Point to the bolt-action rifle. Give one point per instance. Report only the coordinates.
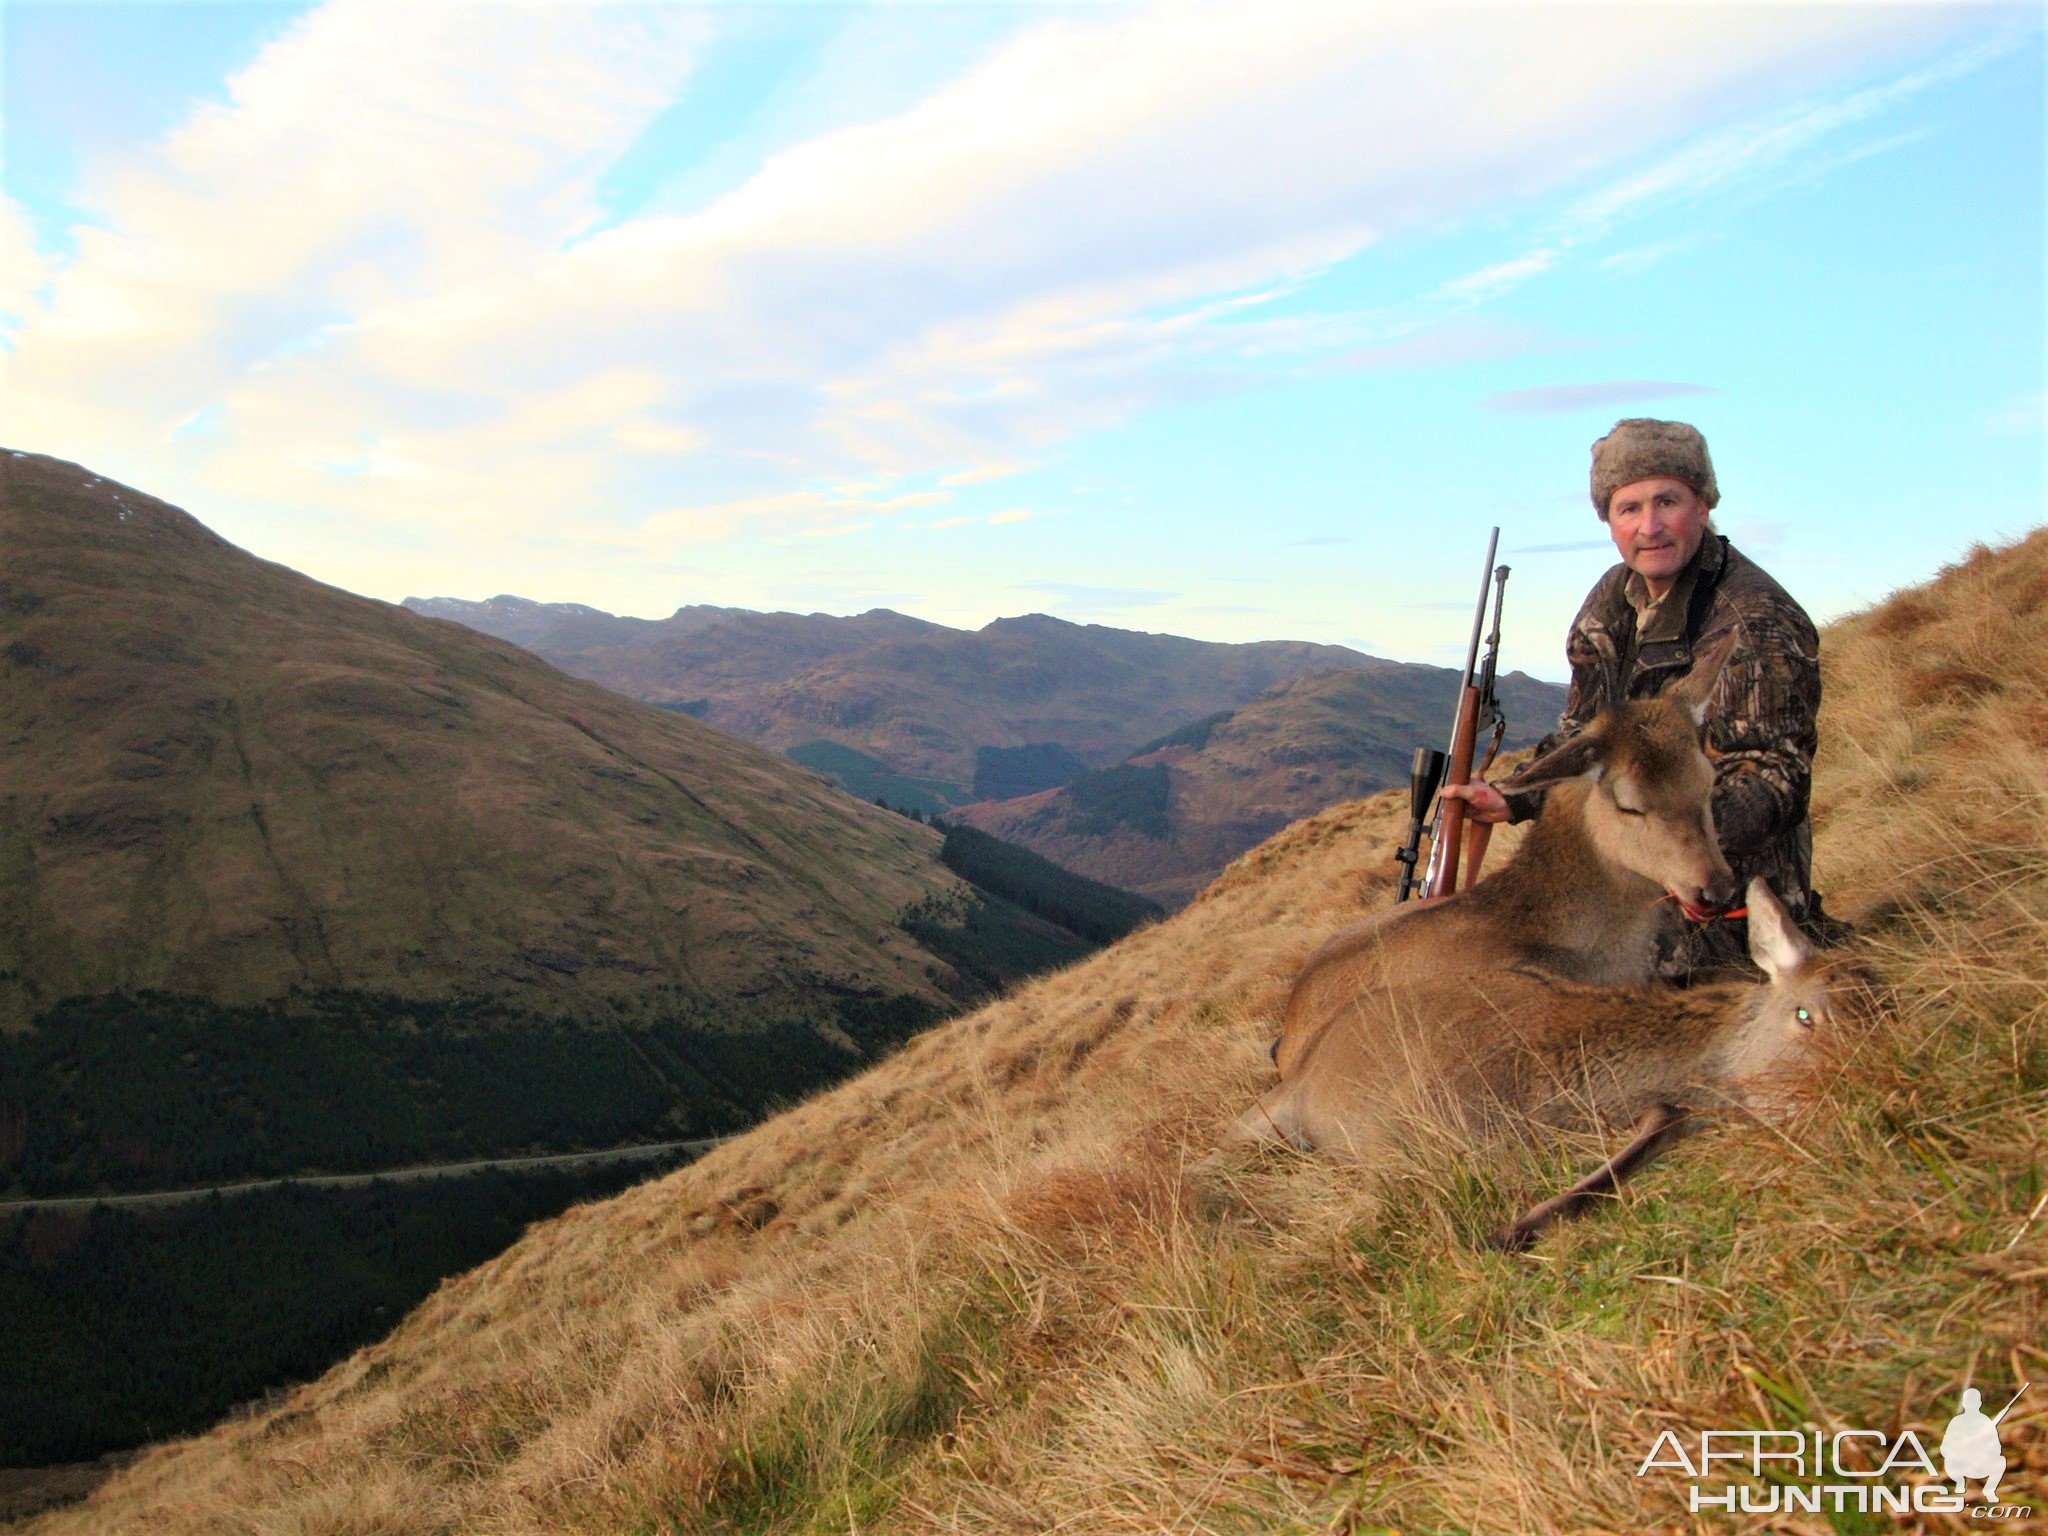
(1478, 710)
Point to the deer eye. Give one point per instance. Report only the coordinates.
(1630, 810)
(1803, 1015)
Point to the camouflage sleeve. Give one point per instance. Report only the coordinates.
(1762, 733)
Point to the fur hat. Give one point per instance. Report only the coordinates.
(1643, 448)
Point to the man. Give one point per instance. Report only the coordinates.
(1680, 587)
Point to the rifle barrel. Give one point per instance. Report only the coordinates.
(1479, 615)
(2015, 1398)
(1446, 832)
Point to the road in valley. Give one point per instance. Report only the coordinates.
(643, 1152)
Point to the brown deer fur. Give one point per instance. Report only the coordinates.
(1483, 1050)
(1626, 821)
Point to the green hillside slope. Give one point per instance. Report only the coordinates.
(293, 879)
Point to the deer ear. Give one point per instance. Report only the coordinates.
(1696, 689)
(1775, 942)
(1584, 754)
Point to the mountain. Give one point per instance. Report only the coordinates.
(433, 894)
(935, 716)
(554, 626)
(975, 1290)
(1167, 820)
(561, 629)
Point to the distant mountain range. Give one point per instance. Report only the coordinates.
(942, 716)
(290, 878)
(1165, 821)
(1044, 732)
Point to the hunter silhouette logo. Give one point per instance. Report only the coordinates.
(1970, 1448)
(1811, 1471)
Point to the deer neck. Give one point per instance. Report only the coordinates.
(1600, 917)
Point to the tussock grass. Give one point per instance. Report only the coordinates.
(977, 1290)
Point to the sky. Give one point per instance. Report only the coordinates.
(1239, 321)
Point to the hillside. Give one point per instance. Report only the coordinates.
(954, 715)
(1165, 822)
(294, 879)
(974, 1290)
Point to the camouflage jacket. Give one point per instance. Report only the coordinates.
(1761, 728)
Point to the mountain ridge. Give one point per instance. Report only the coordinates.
(924, 698)
(103, 577)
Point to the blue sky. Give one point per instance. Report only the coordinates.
(1242, 322)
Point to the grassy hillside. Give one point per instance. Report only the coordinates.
(293, 880)
(226, 779)
(975, 1290)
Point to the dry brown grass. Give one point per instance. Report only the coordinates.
(974, 1291)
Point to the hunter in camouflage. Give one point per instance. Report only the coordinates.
(1760, 731)
(1680, 588)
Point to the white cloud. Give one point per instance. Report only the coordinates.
(643, 436)
(374, 153)
(1643, 257)
(1775, 141)
(2021, 417)
(23, 268)
(911, 499)
(983, 472)
(375, 261)
(1490, 282)
(778, 512)
(1549, 398)
(1779, 146)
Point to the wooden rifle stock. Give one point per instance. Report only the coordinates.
(1477, 834)
(1451, 828)
(1456, 840)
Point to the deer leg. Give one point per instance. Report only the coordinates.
(1271, 1118)
(1654, 1130)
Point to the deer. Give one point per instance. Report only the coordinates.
(1667, 1058)
(1626, 822)
(1523, 1046)
(1528, 995)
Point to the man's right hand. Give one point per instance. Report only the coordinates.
(1482, 801)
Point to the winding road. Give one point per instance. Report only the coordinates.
(642, 1152)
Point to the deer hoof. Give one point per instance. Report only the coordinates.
(1511, 1239)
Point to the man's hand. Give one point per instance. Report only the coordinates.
(1482, 801)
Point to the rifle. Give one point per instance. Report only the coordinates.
(2008, 1407)
(1478, 710)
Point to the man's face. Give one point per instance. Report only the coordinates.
(1657, 526)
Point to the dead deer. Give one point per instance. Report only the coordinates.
(1518, 1045)
(1625, 822)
